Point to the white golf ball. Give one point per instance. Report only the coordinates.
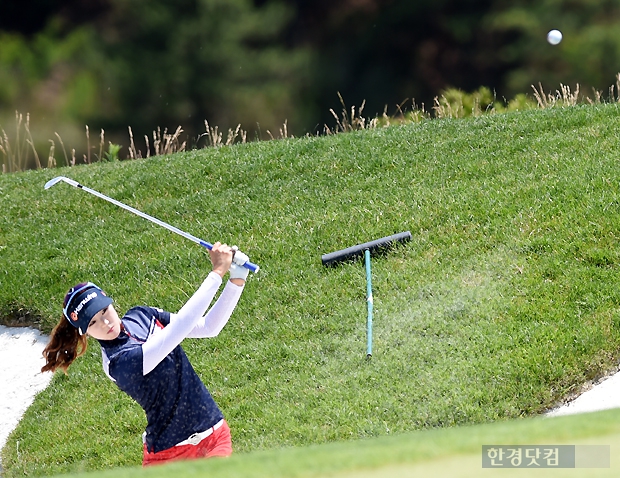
(554, 37)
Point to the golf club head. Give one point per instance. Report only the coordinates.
(51, 182)
(57, 179)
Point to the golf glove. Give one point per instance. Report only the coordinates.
(238, 272)
(239, 258)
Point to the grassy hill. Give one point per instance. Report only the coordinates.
(504, 302)
(441, 453)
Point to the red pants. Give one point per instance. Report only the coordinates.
(217, 444)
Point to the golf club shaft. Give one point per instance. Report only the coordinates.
(248, 265)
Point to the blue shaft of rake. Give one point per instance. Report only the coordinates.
(369, 300)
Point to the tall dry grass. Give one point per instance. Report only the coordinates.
(19, 153)
(16, 155)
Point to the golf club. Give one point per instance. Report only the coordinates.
(248, 265)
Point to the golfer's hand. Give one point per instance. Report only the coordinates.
(221, 257)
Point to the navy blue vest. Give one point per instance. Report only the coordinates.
(176, 402)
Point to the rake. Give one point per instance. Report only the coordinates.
(366, 249)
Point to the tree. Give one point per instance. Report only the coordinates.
(589, 53)
(150, 63)
(188, 61)
(388, 51)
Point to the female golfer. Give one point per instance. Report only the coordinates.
(142, 355)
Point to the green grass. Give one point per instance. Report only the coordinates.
(441, 453)
(504, 302)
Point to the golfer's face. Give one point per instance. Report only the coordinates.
(105, 325)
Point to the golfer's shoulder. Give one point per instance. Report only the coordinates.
(144, 316)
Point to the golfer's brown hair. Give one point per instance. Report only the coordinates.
(65, 345)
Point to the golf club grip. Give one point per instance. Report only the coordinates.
(248, 265)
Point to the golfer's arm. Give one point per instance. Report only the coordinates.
(159, 345)
(217, 317)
